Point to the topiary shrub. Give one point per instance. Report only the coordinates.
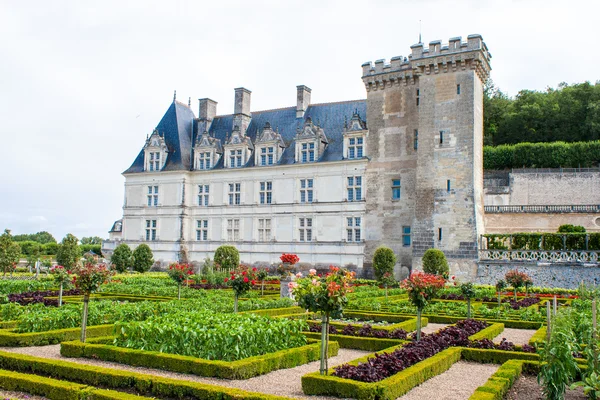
(142, 258)
(384, 260)
(434, 262)
(227, 257)
(122, 258)
(568, 228)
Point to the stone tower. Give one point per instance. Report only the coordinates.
(425, 176)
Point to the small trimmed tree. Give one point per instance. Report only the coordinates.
(421, 288)
(88, 279)
(517, 280)
(142, 258)
(180, 273)
(261, 275)
(68, 253)
(122, 258)
(500, 286)
(227, 257)
(384, 260)
(62, 278)
(468, 291)
(241, 281)
(434, 262)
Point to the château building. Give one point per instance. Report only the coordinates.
(330, 182)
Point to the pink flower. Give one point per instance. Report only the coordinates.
(299, 275)
(292, 285)
(312, 271)
(315, 282)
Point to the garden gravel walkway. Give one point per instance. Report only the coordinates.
(458, 383)
(432, 328)
(19, 395)
(517, 336)
(285, 382)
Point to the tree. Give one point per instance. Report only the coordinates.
(180, 273)
(384, 260)
(40, 237)
(34, 253)
(468, 291)
(227, 257)
(62, 278)
(91, 240)
(68, 253)
(421, 288)
(241, 281)
(142, 258)
(9, 252)
(568, 228)
(122, 258)
(434, 262)
(88, 279)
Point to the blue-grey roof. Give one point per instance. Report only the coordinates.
(176, 126)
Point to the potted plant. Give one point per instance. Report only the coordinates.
(325, 295)
(180, 273)
(62, 277)
(421, 288)
(241, 281)
(88, 279)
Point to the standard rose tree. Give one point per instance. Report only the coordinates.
(62, 278)
(421, 288)
(88, 279)
(241, 281)
(325, 295)
(517, 280)
(180, 273)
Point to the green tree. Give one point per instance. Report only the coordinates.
(227, 257)
(42, 237)
(568, 228)
(142, 258)
(35, 252)
(434, 262)
(68, 253)
(91, 240)
(384, 260)
(9, 252)
(122, 258)
(495, 106)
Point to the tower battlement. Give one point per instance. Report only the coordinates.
(472, 54)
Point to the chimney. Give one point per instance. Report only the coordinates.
(208, 109)
(241, 109)
(302, 100)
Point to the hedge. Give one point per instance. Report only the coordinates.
(488, 333)
(55, 389)
(8, 338)
(543, 241)
(386, 389)
(539, 336)
(357, 342)
(144, 384)
(542, 155)
(273, 312)
(446, 319)
(240, 369)
(405, 322)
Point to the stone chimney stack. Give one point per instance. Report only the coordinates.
(208, 109)
(302, 100)
(241, 110)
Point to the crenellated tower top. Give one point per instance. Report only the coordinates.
(472, 54)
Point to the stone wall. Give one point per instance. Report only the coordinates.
(547, 275)
(542, 222)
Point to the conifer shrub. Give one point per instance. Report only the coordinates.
(227, 257)
(142, 258)
(434, 262)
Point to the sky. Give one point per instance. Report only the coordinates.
(83, 82)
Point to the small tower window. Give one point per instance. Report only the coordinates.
(457, 89)
(448, 185)
(439, 234)
(416, 140)
(441, 137)
(418, 97)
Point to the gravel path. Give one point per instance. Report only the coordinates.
(285, 382)
(458, 383)
(517, 336)
(19, 395)
(432, 328)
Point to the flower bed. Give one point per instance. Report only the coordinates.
(26, 298)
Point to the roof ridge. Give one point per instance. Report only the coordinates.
(337, 102)
(291, 107)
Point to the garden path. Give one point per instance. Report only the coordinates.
(19, 396)
(517, 336)
(432, 328)
(284, 382)
(463, 377)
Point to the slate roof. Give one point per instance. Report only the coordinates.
(179, 121)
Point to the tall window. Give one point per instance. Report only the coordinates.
(306, 190)
(440, 233)
(353, 229)
(395, 189)
(155, 161)
(264, 229)
(354, 188)
(150, 229)
(457, 89)
(305, 229)
(265, 193)
(235, 158)
(418, 97)
(203, 191)
(202, 229)
(267, 155)
(406, 236)
(441, 137)
(355, 147)
(233, 230)
(152, 196)
(308, 152)
(235, 194)
(448, 186)
(416, 140)
(204, 160)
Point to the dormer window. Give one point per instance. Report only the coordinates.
(155, 152)
(355, 137)
(269, 146)
(235, 158)
(310, 142)
(207, 152)
(238, 148)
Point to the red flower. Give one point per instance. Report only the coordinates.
(226, 279)
(253, 282)
(246, 279)
(254, 269)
